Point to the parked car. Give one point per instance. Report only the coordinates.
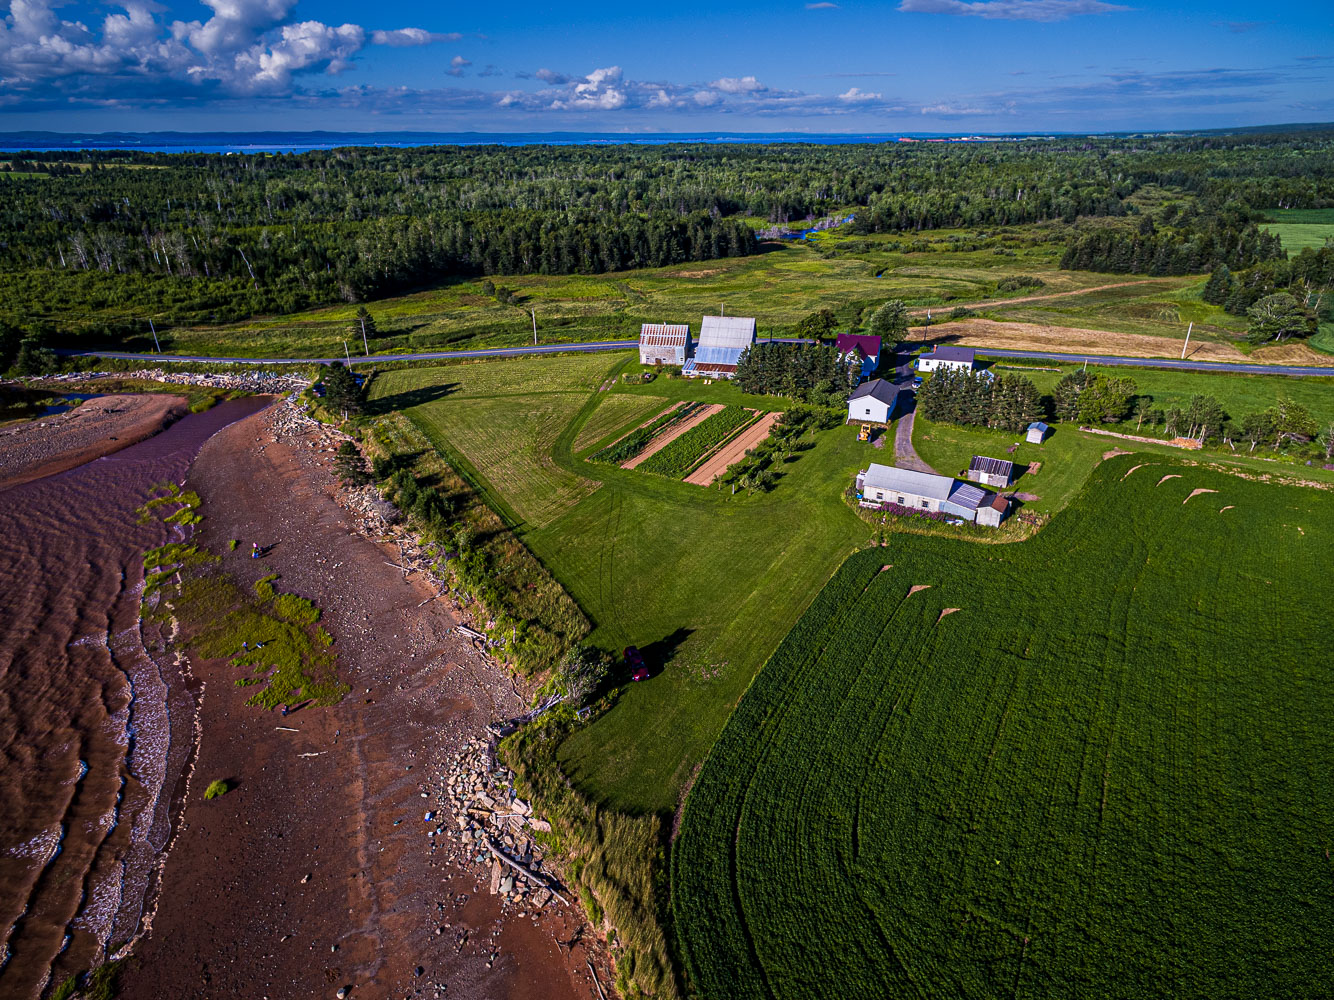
(634, 662)
(917, 382)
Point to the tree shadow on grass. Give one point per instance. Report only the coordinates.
(413, 397)
(661, 652)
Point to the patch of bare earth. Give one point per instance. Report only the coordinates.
(1132, 469)
(1228, 507)
(984, 333)
(1113, 453)
(732, 452)
(946, 611)
(671, 434)
(1172, 475)
(1195, 493)
(918, 586)
(1292, 354)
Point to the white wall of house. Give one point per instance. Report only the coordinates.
(868, 410)
(925, 364)
(902, 498)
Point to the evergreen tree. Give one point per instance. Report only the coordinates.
(1218, 287)
(34, 359)
(341, 392)
(364, 324)
(350, 465)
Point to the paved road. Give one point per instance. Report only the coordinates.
(905, 455)
(483, 352)
(621, 345)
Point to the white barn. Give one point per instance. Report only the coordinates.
(664, 344)
(942, 358)
(722, 339)
(873, 402)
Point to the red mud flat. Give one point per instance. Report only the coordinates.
(98, 427)
(316, 872)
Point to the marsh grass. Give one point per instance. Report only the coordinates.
(272, 634)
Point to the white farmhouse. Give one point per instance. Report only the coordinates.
(888, 484)
(943, 358)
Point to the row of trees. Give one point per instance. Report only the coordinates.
(810, 372)
(1005, 402)
(1132, 251)
(1307, 278)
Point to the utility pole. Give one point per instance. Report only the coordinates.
(155, 343)
(722, 308)
(346, 353)
(1187, 343)
(364, 342)
(534, 312)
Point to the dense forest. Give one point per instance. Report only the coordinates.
(202, 238)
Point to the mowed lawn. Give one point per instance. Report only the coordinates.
(705, 582)
(1095, 763)
(500, 420)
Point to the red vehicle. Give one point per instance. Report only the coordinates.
(634, 660)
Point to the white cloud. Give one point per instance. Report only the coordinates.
(245, 47)
(738, 85)
(822, 6)
(1011, 10)
(457, 65)
(403, 37)
(599, 91)
(955, 110)
(856, 94)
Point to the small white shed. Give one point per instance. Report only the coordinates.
(1037, 431)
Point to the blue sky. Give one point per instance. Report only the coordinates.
(728, 65)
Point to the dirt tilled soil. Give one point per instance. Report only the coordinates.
(733, 451)
(671, 434)
(97, 427)
(316, 873)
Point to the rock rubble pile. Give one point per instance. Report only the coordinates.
(493, 829)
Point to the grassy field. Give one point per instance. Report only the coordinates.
(509, 425)
(705, 582)
(1090, 764)
(1300, 228)
(615, 415)
(778, 287)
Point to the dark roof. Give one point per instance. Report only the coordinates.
(869, 346)
(991, 466)
(967, 495)
(952, 354)
(878, 389)
(1000, 503)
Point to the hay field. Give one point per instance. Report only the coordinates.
(1091, 764)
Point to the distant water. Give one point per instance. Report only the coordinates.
(300, 142)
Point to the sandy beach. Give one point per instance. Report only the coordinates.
(316, 872)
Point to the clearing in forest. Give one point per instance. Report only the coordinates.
(1103, 773)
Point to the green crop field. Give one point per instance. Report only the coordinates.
(684, 452)
(1300, 228)
(1095, 763)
